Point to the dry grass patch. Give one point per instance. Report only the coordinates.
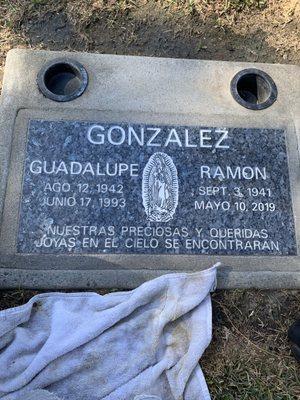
(249, 358)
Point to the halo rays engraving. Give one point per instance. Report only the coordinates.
(160, 188)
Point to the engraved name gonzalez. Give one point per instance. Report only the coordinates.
(151, 136)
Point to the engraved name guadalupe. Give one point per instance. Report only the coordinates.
(129, 188)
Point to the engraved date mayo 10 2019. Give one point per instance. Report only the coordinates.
(211, 205)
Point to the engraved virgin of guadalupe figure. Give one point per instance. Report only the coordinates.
(160, 188)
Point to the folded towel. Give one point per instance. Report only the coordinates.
(143, 344)
(39, 394)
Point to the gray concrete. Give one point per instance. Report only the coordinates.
(138, 90)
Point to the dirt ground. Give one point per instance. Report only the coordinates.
(249, 357)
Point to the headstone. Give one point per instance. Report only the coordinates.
(118, 169)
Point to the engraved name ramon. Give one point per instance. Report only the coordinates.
(160, 188)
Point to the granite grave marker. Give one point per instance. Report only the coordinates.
(118, 169)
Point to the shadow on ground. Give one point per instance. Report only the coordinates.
(148, 36)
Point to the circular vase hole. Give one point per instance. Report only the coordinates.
(253, 89)
(62, 80)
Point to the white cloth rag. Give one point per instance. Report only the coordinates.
(143, 344)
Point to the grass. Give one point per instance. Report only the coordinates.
(224, 6)
(255, 30)
(250, 357)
